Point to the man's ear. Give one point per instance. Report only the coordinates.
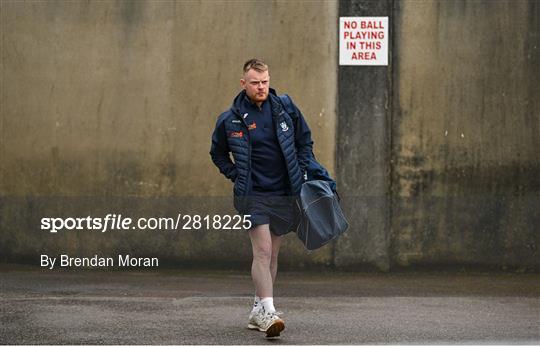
(243, 83)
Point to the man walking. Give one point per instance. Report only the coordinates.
(272, 148)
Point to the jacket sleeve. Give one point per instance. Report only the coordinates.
(311, 169)
(219, 151)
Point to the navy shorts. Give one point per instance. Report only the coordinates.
(277, 211)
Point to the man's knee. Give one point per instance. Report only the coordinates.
(263, 252)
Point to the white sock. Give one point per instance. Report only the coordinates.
(268, 304)
(256, 304)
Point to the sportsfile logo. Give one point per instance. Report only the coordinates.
(119, 222)
(111, 221)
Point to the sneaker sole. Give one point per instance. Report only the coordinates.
(253, 327)
(275, 329)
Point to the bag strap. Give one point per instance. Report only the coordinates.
(337, 195)
(290, 109)
(288, 105)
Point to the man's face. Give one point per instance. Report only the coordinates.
(256, 84)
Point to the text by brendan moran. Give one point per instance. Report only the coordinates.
(66, 261)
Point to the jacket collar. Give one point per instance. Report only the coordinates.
(275, 104)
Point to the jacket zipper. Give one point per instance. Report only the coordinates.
(248, 178)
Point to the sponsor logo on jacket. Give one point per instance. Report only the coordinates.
(236, 134)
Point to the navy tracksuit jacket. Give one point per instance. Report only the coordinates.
(231, 135)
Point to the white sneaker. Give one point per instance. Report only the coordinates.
(254, 319)
(270, 323)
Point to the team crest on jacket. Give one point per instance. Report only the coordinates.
(284, 126)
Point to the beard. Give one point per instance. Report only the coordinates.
(258, 97)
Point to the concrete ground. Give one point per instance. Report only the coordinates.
(211, 307)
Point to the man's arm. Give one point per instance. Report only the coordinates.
(219, 151)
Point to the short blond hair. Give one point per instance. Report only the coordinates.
(255, 64)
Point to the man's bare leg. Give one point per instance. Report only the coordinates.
(261, 244)
(264, 253)
(276, 243)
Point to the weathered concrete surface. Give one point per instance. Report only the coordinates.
(363, 163)
(190, 307)
(107, 107)
(450, 130)
(109, 100)
(466, 133)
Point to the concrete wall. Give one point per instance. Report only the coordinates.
(363, 152)
(109, 106)
(466, 133)
(438, 152)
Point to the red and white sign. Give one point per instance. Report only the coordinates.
(363, 41)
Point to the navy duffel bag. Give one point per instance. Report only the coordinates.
(320, 216)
